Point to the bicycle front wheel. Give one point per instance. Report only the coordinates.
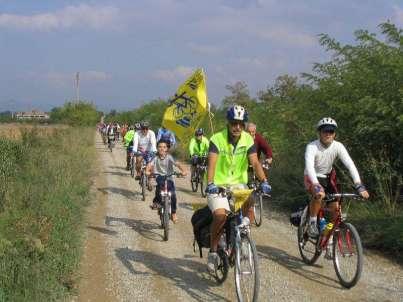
(306, 245)
(347, 255)
(166, 205)
(194, 181)
(247, 279)
(132, 167)
(258, 209)
(202, 189)
(143, 183)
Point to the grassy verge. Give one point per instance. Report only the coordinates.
(44, 186)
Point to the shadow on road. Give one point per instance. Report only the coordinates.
(183, 273)
(126, 193)
(145, 228)
(124, 174)
(295, 265)
(119, 168)
(103, 230)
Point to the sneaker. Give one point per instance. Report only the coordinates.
(313, 230)
(137, 177)
(212, 262)
(154, 206)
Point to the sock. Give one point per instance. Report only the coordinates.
(312, 219)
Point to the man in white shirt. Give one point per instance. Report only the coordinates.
(319, 174)
(144, 145)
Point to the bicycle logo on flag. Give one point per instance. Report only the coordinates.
(185, 109)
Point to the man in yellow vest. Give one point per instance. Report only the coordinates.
(128, 143)
(230, 151)
(198, 148)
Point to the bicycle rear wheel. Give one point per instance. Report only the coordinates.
(194, 180)
(258, 209)
(221, 273)
(347, 255)
(306, 245)
(166, 205)
(247, 279)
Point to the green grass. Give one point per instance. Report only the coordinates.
(44, 186)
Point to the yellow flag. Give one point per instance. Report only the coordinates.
(188, 107)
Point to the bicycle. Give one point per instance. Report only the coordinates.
(144, 181)
(258, 195)
(197, 176)
(164, 210)
(345, 245)
(237, 248)
(111, 143)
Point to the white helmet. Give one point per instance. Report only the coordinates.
(237, 113)
(326, 121)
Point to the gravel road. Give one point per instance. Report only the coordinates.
(126, 259)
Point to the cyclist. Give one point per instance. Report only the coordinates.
(110, 133)
(198, 148)
(162, 164)
(262, 146)
(230, 150)
(128, 143)
(165, 134)
(144, 145)
(319, 175)
(123, 132)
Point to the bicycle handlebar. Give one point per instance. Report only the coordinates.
(177, 174)
(333, 196)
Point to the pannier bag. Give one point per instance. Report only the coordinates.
(201, 221)
(295, 217)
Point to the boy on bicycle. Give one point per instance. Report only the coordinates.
(162, 164)
(319, 175)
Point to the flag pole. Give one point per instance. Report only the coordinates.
(210, 115)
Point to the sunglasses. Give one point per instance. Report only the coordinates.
(328, 131)
(236, 123)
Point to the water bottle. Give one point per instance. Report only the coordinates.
(327, 229)
(322, 224)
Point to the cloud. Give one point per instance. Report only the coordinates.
(398, 15)
(80, 16)
(175, 75)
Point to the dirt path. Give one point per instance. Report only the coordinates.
(126, 259)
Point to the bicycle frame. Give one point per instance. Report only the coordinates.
(324, 239)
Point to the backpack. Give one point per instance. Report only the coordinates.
(201, 220)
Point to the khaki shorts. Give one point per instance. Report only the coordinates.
(216, 201)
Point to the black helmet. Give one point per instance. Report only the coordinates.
(199, 131)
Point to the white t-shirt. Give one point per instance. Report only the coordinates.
(319, 160)
(145, 143)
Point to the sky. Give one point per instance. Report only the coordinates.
(129, 52)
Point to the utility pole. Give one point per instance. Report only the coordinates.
(78, 87)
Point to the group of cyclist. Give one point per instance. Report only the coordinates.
(230, 153)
